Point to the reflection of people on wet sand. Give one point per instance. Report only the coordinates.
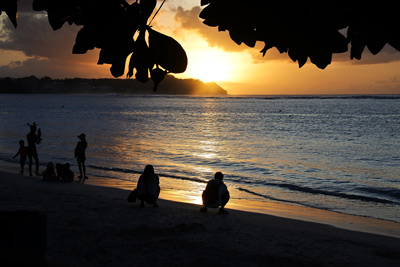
(148, 187)
(32, 152)
(81, 157)
(22, 152)
(216, 194)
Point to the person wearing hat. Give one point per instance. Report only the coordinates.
(81, 157)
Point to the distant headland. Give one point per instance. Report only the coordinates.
(46, 85)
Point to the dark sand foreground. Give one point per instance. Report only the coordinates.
(95, 226)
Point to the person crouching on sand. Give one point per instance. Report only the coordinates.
(216, 194)
(148, 187)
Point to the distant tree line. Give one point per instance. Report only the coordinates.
(47, 85)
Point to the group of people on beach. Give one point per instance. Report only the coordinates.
(215, 195)
(63, 172)
(29, 151)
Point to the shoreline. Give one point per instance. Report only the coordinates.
(335, 219)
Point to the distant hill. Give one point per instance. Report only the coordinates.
(170, 85)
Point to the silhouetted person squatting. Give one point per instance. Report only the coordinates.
(216, 194)
(148, 187)
(23, 153)
(81, 157)
(49, 174)
(32, 152)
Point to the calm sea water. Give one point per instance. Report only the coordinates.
(333, 153)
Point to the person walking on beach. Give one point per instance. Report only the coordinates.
(32, 152)
(148, 187)
(216, 194)
(81, 157)
(23, 153)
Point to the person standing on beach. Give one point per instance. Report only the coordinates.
(81, 157)
(32, 152)
(216, 194)
(148, 187)
(22, 152)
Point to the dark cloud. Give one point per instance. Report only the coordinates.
(54, 68)
(387, 55)
(49, 52)
(32, 66)
(35, 37)
(25, 6)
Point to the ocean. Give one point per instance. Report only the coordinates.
(335, 153)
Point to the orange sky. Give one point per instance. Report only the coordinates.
(34, 49)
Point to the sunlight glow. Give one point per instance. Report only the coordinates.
(210, 65)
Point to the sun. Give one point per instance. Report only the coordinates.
(210, 65)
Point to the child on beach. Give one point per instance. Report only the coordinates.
(23, 153)
(216, 194)
(81, 157)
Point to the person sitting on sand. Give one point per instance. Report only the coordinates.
(216, 194)
(22, 152)
(148, 187)
(49, 174)
(64, 172)
(81, 157)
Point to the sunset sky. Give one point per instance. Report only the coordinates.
(35, 49)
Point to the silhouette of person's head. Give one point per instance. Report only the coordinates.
(32, 127)
(148, 170)
(219, 176)
(21, 142)
(82, 136)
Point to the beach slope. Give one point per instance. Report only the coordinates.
(95, 226)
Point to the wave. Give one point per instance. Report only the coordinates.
(393, 193)
(287, 186)
(330, 97)
(269, 197)
(121, 170)
(336, 194)
(384, 192)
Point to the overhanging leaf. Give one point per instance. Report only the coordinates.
(167, 52)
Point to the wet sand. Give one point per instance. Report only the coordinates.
(89, 225)
(350, 222)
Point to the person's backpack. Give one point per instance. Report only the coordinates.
(211, 194)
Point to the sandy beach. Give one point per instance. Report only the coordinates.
(88, 225)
